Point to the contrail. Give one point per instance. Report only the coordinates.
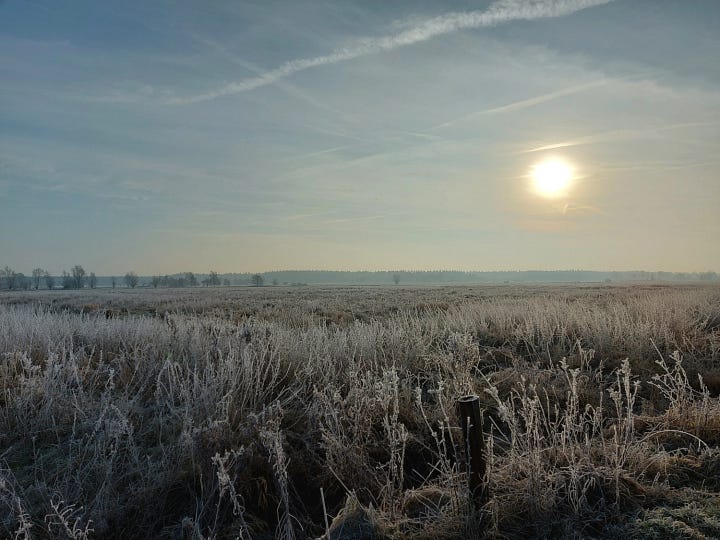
(620, 135)
(537, 100)
(499, 12)
(525, 103)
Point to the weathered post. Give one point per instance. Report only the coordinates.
(468, 409)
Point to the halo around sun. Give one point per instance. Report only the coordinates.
(552, 178)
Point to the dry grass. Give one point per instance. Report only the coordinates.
(306, 413)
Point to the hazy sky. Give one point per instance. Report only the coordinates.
(163, 136)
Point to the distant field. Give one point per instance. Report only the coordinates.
(303, 412)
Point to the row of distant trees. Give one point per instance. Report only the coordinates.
(76, 278)
(188, 279)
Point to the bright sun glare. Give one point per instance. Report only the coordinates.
(552, 178)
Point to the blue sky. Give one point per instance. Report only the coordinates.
(249, 136)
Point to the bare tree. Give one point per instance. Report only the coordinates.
(113, 281)
(78, 275)
(67, 280)
(92, 281)
(396, 278)
(257, 280)
(131, 279)
(49, 281)
(37, 274)
(22, 282)
(10, 275)
(155, 281)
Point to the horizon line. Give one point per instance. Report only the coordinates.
(386, 270)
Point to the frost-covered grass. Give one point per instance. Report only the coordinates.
(303, 412)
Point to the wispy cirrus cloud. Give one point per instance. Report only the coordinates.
(501, 11)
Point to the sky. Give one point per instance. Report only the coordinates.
(244, 136)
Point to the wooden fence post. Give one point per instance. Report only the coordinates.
(468, 410)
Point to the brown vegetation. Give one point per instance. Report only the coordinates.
(307, 413)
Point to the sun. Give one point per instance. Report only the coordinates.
(552, 178)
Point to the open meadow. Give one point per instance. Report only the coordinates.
(308, 412)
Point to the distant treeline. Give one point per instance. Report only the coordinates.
(77, 278)
(430, 277)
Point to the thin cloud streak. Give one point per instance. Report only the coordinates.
(537, 100)
(525, 103)
(501, 11)
(619, 135)
(285, 86)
